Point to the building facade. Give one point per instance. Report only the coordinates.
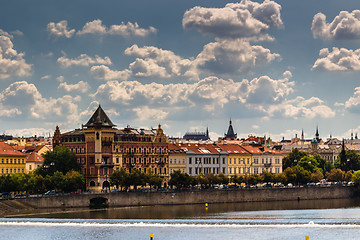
(11, 160)
(101, 148)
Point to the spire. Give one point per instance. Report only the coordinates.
(230, 133)
(317, 133)
(207, 132)
(302, 134)
(99, 118)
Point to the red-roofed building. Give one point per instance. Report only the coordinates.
(239, 159)
(33, 161)
(204, 158)
(11, 160)
(264, 159)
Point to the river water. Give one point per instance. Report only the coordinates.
(319, 219)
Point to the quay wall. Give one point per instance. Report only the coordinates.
(190, 197)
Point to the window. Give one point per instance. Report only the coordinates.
(230, 161)
(224, 162)
(224, 170)
(190, 170)
(170, 160)
(117, 160)
(190, 160)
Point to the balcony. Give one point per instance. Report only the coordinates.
(267, 165)
(107, 165)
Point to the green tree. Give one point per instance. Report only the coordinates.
(336, 175)
(155, 180)
(324, 165)
(292, 159)
(267, 177)
(308, 163)
(119, 178)
(179, 179)
(237, 179)
(297, 175)
(348, 160)
(73, 181)
(60, 159)
(223, 178)
(317, 176)
(280, 178)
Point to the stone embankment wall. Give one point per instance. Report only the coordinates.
(191, 197)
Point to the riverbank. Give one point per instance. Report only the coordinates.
(128, 199)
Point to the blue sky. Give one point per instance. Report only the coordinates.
(273, 67)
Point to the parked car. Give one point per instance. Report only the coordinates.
(50, 192)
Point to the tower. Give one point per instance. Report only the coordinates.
(317, 136)
(230, 133)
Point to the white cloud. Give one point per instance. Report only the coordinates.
(338, 60)
(29, 132)
(145, 113)
(105, 73)
(60, 29)
(126, 30)
(227, 57)
(24, 99)
(236, 20)
(12, 63)
(232, 56)
(80, 87)
(156, 62)
(301, 108)
(129, 29)
(353, 104)
(45, 77)
(60, 78)
(345, 26)
(83, 60)
(208, 95)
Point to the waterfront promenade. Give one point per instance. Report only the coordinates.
(126, 199)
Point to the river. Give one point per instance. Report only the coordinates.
(318, 219)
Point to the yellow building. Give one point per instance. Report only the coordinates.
(239, 159)
(11, 160)
(177, 158)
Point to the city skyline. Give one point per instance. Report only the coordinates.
(273, 67)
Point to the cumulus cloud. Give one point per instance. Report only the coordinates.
(302, 108)
(145, 113)
(236, 20)
(345, 26)
(12, 63)
(105, 73)
(24, 99)
(225, 57)
(124, 29)
(28, 132)
(60, 29)
(83, 60)
(209, 94)
(232, 56)
(340, 59)
(353, 104)
(80, 87)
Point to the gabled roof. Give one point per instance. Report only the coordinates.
(7, 150)
(99, 118)
(34, 157)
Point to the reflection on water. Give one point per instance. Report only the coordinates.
(191, 211)
(318, 219)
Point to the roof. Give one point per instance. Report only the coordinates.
(34, 157)
(7, 150)
(194, 148)
(233, 149)
(99, 118)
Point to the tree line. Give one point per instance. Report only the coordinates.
(59, 171)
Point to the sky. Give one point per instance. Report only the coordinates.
(274, 68)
